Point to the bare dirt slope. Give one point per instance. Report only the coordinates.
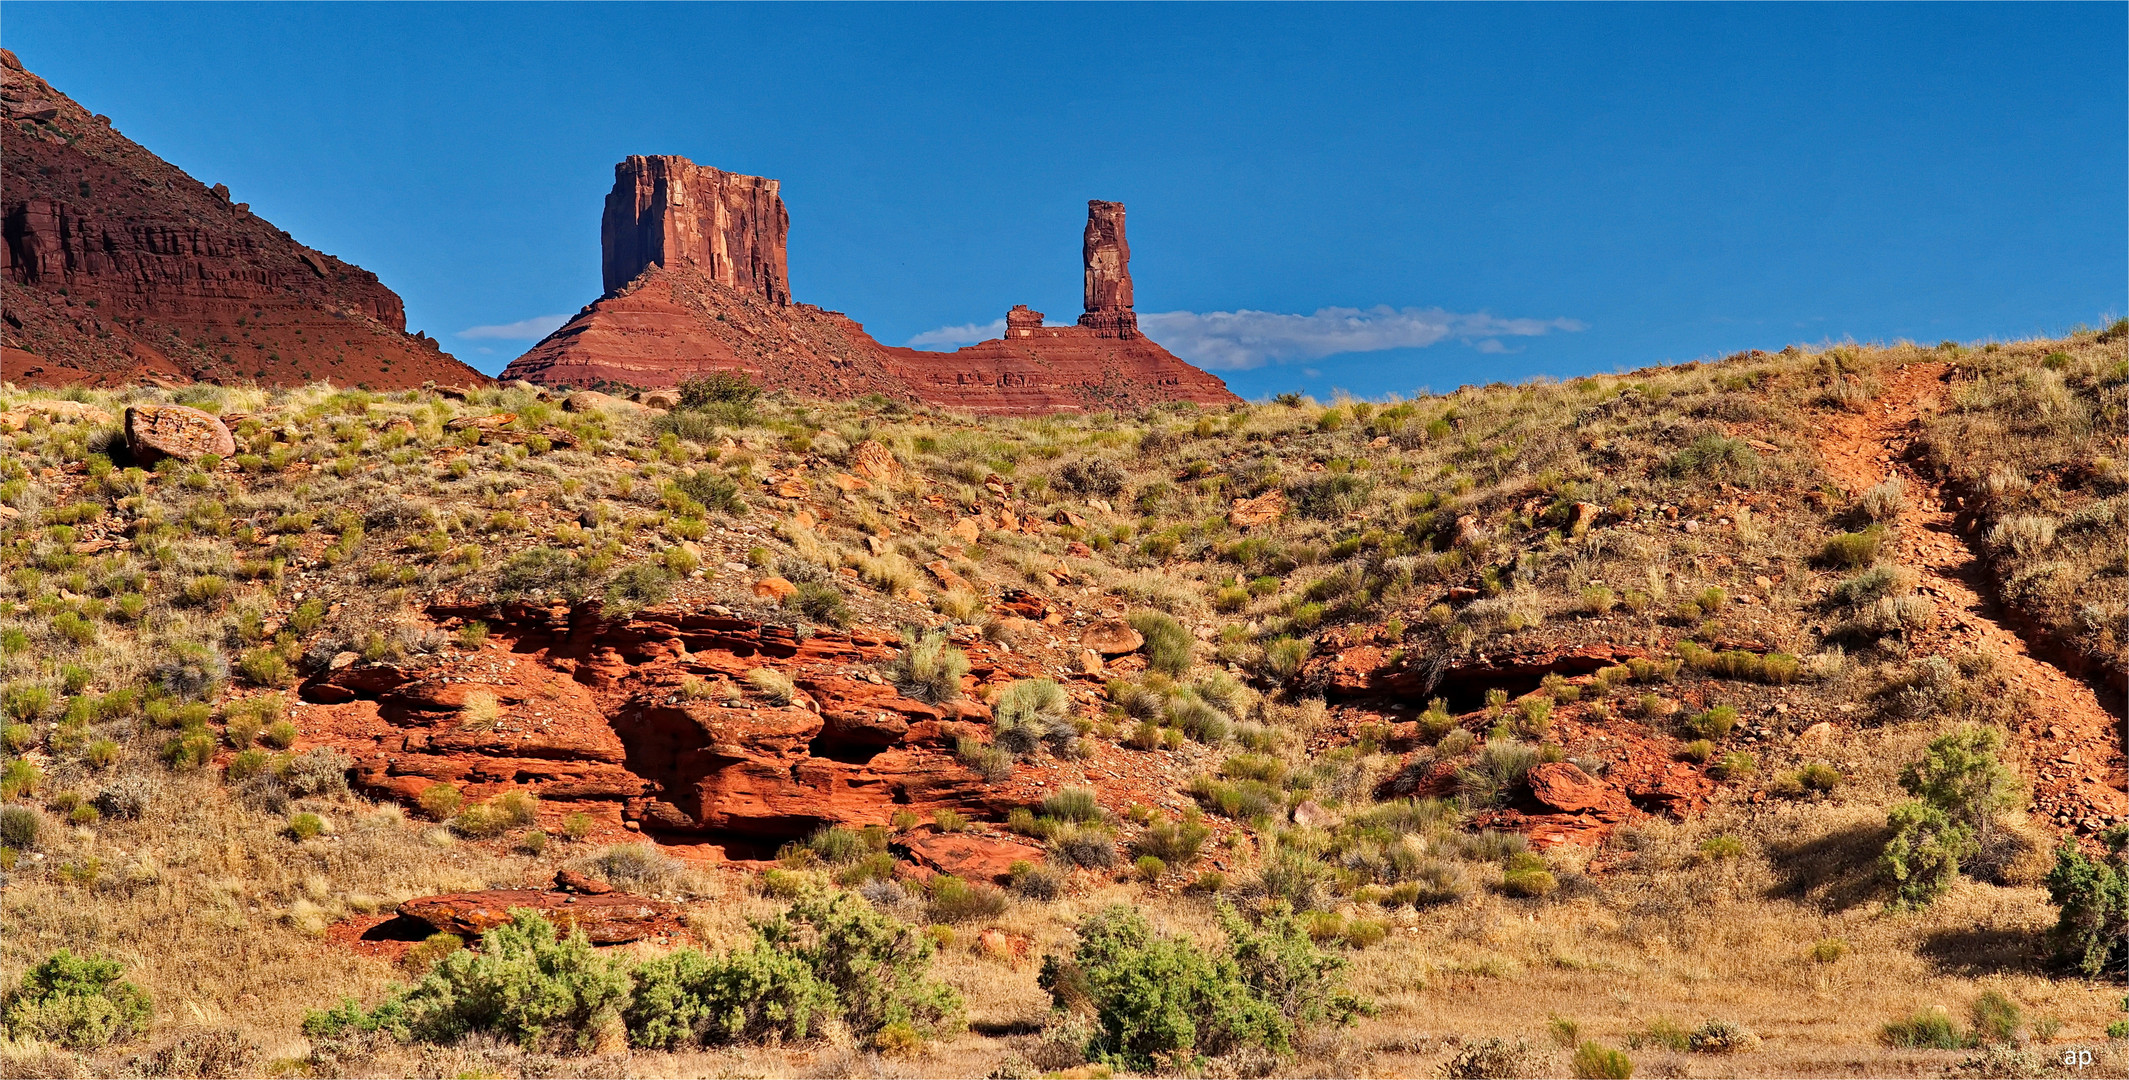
(2074, 744)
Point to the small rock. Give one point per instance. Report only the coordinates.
(1262, 510)
(774, 588)
(1311, 814)
(571, 881)
(1111, 637)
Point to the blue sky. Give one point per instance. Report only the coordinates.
(1449, 194)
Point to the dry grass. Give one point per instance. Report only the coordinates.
(1705, 534)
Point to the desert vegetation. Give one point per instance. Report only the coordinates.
(1299, 825)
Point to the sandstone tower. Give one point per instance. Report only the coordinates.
(668, 211)
(1108, 272)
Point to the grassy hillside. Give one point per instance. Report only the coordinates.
(1786, 578)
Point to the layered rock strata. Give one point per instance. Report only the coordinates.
(652, 721)
(117, 267)
(669, 211)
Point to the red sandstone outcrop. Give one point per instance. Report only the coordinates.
(668, 211)
(651, 720)
(119, 268)
(696, 282)
(608, 918)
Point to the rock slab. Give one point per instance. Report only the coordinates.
(605, 918)
(154, 432)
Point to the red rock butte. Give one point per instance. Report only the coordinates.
(697, 281)
(119, 268)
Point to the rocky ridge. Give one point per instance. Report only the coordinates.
(118, 268)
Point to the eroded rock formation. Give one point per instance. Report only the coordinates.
(117, 267)
(668, 211)
(652, 721)
(1108, 271)
(696, 281)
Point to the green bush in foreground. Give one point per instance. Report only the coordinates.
(76, 1001)
(1153, 997)
(831, 955)
(2092, 931)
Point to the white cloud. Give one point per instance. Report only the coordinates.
(531, 329)
(947, 337)
(1240, 340)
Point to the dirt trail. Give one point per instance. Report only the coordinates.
(2074, 745)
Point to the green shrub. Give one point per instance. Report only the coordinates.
(1283, 657)
(638, 585)
(1926, 1029)
(1715, 457)
(1175, 843)
(954, 900)
(306, 825)
(20, 827)
(1028, 713)
(1855, 550)
(749, 995)
(524, 984)
(820, 601)
(1922, 858)
(1961, 775)
(1715, 723)
(733, 388)
(264, 667)
(1996, 1018)
(2092, 927)
(78, 1002)
(1156, 998)
(878, 966)
(1168, 645)
(538, 572)
(928, 669)
(1332, 495)
(1594, 1062)
(1072, 804)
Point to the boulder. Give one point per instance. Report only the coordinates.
(948, 579)
(1111, 637)
(1465, 532)
(1584, 516)
(1309, 813)
(774, 588)
(968, 856)
(659, 399)
(1262, 510)
(607, 919)
(1563, 786)
(874, 461)
(571, 881)
(154, 432)
(594, 401)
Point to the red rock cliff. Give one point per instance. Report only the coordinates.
(118, 267)
(669, 211)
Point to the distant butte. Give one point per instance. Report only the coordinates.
(697, 281)
(118, 268)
